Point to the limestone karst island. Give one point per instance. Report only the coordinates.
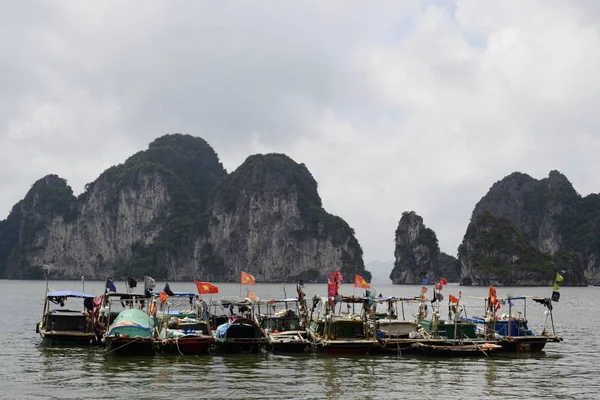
(174, 213)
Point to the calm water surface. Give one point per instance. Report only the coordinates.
(566, 370)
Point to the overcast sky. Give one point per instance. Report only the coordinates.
(393, 105)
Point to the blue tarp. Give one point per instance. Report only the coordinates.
(222, 330)
(68, 293)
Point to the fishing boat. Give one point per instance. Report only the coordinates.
(512, 331)
(60, 325)
(132, 332)
(240, 335)
(285, 322)
(343, 332)
(237, 332)
(183, 325)
(398, 336)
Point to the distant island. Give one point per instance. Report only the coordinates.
(521, 233)
(173, 212)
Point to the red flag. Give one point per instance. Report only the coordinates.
(332, 289)
(439, 286)
(360, 282)
(443, 281)
(206, 288)
(163, 297)
(453, 299)
(336, 277)
(247, 279)
(251, 295)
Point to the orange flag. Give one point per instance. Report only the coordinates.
(453, 299)
(360, 282)
(163, 297)
(247, 279)
(251, 295)
(492, 296)
(206, 288)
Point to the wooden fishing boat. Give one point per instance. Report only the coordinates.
(183, 330)
(512, 332)
(132, 332)
(344, 333)
(240, 335)
(286, 326)
(66, 326)
(457, 350)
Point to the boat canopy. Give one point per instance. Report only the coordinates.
(125, 296)
(288, 300)
(177, 294)
(68, 293)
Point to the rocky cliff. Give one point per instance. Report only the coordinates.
(172, 212)
(525, 230)
(418, 255)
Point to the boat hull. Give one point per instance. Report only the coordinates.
(406, 346)
(187, 345)
(129, 345)
(524, 344)
(291, 347)
(468, 350)
(68, 337)
(233, 346)
(290, 342)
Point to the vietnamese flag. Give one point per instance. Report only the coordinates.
(247, 279)
(360, 282)
(206, 288)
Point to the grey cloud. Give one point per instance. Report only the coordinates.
(393, 106)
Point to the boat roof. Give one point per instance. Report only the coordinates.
(288, 300)
(69, 293)
(177, 294)
(122, 296)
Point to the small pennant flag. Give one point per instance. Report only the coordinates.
(423, 292)
(556, 287)
(555, 296)
(251, 295)
(110, 285)
(492, 296)
(163, 297)
(168, 290)
(247, 279)
(131, 282)
(439, 286)
(360, 282)
(206, 288)
(559, 277)
(443, 281)
(453, 299)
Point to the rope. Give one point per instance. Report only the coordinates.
(177, 343)
(120, 347)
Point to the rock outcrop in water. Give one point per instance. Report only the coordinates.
(525, 230)
(418, 255)
(173, 212)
